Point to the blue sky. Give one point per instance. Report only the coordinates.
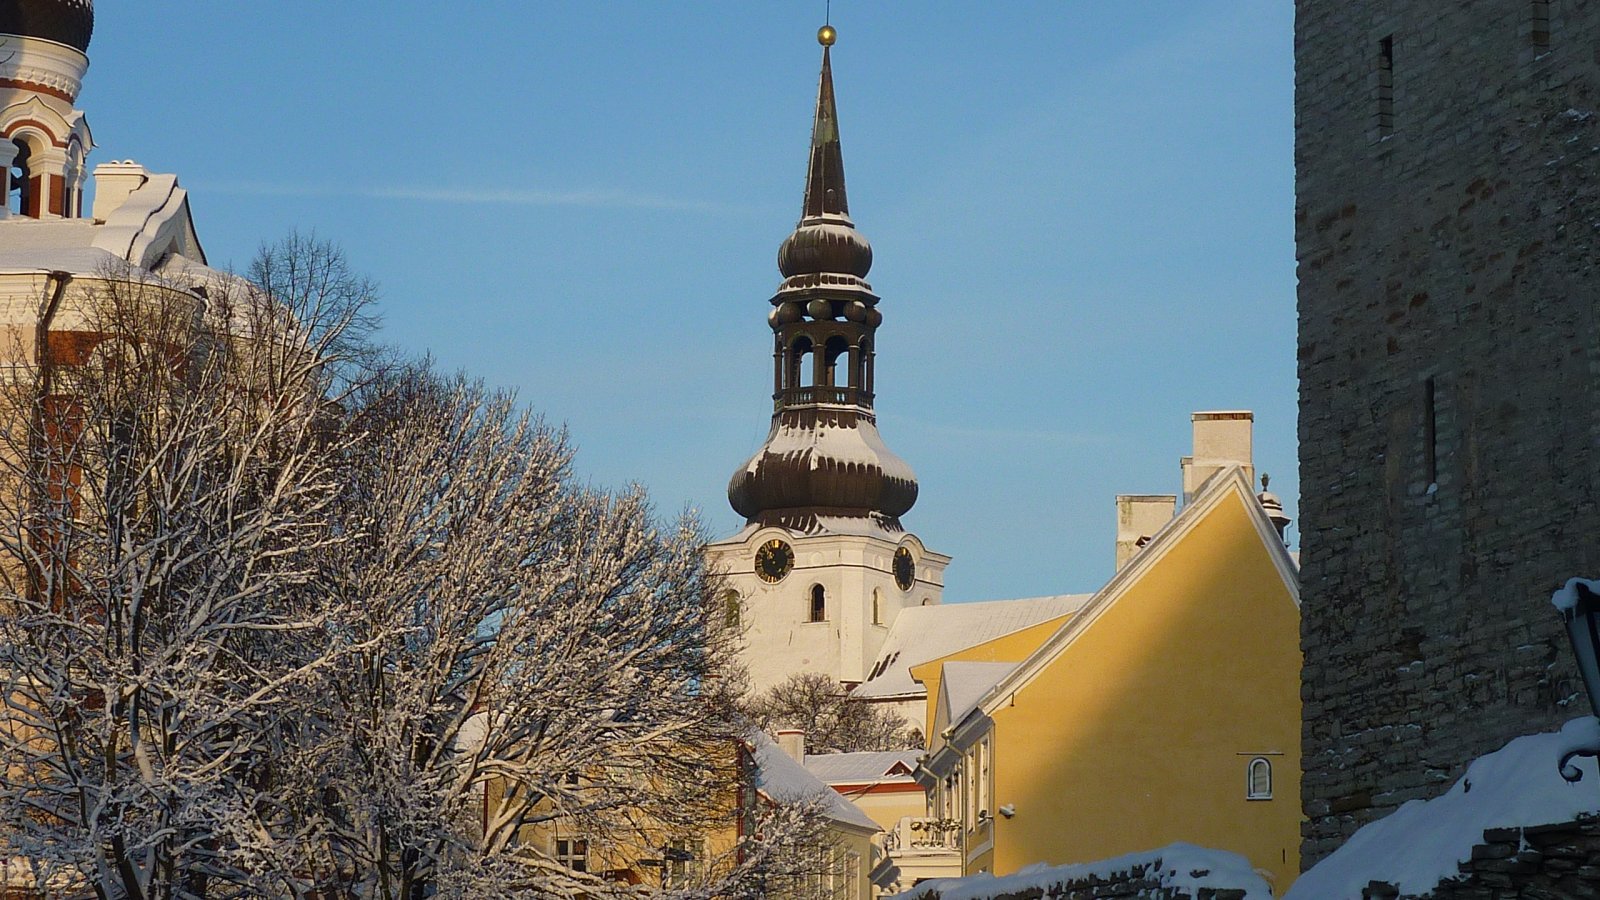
(1082, 218)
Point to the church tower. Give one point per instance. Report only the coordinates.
(823, 565)
(43, 137)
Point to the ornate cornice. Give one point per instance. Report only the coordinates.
(50, 68)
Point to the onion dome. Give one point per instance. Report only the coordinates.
(819, 462)
(69, 22)
(825, 250)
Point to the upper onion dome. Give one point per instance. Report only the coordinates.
(69, 22)
(820, 247)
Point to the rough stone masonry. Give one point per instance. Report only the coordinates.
(1447, 225)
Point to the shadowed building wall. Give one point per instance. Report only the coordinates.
(1446, 225)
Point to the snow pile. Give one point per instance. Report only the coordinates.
(1421, 843)
(1178, 866)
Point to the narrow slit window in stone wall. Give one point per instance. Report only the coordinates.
(1386, 86)
(1430, 432)
(1539, 23)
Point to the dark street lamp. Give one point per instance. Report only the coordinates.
(1580, 609)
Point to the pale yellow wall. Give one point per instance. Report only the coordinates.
(887, 809)
(1130, 740)
(1014, 647)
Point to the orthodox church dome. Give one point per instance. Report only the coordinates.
(69, 22)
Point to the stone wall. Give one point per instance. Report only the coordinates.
(1542, 861)
(1448, 233)
(1139, 882)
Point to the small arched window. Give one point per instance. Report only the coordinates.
(730, 609)
(877, 606)
(819, 604)
(1259, 780)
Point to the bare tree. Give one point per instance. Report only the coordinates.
(544, 658)
(831, 720)
(165, 493)
(276, 621)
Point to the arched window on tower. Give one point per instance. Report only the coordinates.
(72, 194)
(819, 604)
(732, 613)
(17, 197)
(865, 362)
(1259, 779)
(877, 606)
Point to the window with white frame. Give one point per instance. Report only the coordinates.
(1258, 785)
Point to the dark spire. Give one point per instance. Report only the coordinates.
(825, 179)
(824, 463)
(825, 251)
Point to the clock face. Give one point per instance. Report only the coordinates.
(774, 559)
(905, 569)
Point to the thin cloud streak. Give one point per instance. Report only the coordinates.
(473, 196)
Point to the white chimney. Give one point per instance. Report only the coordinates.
(1221, 439)
(793, 742)
(114, 182)
(1139, 517)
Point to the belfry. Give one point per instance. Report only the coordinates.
(823, 564)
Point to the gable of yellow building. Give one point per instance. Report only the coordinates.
(1167, 710)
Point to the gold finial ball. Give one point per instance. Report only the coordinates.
(826, 35)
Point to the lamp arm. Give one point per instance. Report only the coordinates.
(1571, 772)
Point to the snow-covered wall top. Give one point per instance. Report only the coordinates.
(1180, 867)
(1423, 842)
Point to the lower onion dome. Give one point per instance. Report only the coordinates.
(824, 461)
(69, 22)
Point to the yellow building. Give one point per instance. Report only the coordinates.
(760, 774)
(1167, 709)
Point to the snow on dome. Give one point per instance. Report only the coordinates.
(1423, 842)
(826, 461)
(69, 22)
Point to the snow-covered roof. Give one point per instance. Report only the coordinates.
(855, 768)
(66, 245)
(965, 683)
(1420, 844)
(923, 633)
(1184, 867)
(780, 779)
(152, 223)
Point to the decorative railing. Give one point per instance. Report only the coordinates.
(814, 396)
(922, 834)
